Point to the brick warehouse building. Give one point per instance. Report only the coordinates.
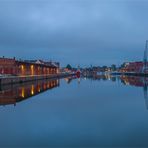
(133, 67)
(10, 66)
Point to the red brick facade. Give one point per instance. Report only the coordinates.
(133, 67)
(18, 67)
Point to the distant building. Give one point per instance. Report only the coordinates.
(27, 67)
(132, 67)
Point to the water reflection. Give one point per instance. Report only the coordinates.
(107, 111)
(11, 94)
(138, 82)
(127, 80)
(69, 79)
(103, 77)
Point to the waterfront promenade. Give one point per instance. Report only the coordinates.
(21, 79)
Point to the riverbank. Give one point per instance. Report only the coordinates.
(21, 79)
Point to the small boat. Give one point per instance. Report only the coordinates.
(78, 73)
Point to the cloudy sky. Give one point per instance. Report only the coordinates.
(81, 32)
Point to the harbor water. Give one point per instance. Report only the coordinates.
(85, 112)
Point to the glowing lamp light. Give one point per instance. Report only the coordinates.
(32, 69)
(23, 93)
(32, 90)
(39, 89)
(22, 66)
(22, 69)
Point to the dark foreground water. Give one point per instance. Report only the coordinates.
(96, 112)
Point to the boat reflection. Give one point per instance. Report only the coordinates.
(70, 78)
(11, 94)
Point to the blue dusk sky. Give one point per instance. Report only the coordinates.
(85, 32)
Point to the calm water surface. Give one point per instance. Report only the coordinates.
(82, 112)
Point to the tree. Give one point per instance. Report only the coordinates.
(123, 65)
(113, 67)
(69, 67)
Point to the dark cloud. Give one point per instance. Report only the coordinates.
(78, 32)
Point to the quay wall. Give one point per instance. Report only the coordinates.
(22, 79)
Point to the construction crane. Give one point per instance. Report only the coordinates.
(145, 67)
